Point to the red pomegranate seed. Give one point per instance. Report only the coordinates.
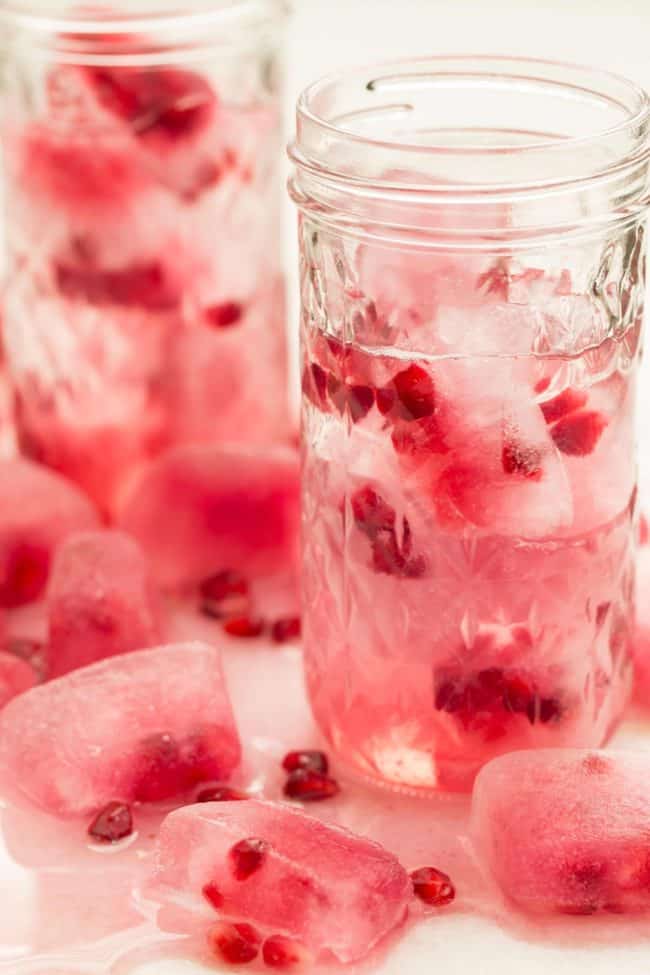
(309, 758)
(281, 952)
(247, 857)
(140, 285)
(237, 944)
(567, 402)
(310, 786)
(419, 437)
(496, 280)
(433, 886)
(244, 627)
(25, 575)
(112, 824)
(517, 695)
(224, 315)
(173, 102)
(371, 513)
(224, 594)
(319, 377)
(385, 400)
(521, 460)
(221, 793)
(213, 896)
(578, 433)
(357, 399)
(415, 393)
(285, 630)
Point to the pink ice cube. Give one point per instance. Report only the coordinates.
(100, 600)
(146, 726)
(38, 510)
(319, 884)
(566, 831)
(200, 510)
(16, 676)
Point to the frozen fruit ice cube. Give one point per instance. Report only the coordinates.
(16, 676)
(101, 602)
(566, 831)
(38, 510)
(200, 510)
(319, 884)
(146, 726)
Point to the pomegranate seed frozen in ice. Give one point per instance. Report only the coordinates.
(566, 831)
(468, 404)
(320, 885)
(147, 726)
(100, 601)
(38, 510)
(201, 511)
(145, 298)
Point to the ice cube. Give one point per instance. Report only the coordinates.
(147, 726)
(16, 676)
(38, 510)
(100, 601)
(566, 831)
(200, 510)
(315, 883)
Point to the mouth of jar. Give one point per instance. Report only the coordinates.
(468, 130)
(136, 32)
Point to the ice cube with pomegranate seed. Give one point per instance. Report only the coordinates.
(101, 601)
(144, 727)
(272, 866)
(200, 510)
(38, 510)
(16, 677)
(566, 831)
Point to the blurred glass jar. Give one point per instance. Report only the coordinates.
(144, 304)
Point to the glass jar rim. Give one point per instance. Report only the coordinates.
(627, 141)
(95, 18)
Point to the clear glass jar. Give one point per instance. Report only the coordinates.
(144, 304)
(472, 265)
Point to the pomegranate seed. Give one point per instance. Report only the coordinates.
(496, 280)
(567, 402)
(578, 433)
(319, 377)
(419, 437)
(310, 786)
(385, 400)
(389, 560)
(542, 384)
(371, 513)
(601, 613)
(517, 695)
(244, 627)
(221, 793)
(281, 952)
(433, 886)
(213, 896)
(140, 285)
(415, 393)
(357, 399)
(309, 759)
(237, 944)
(25, 575)
(550, 709)
(224, 315)
(173, 102)
(285, 630)
(224, 594)
(521, 460)
(112, 824)
(247, 857)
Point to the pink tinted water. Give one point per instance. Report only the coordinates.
(468, 550)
